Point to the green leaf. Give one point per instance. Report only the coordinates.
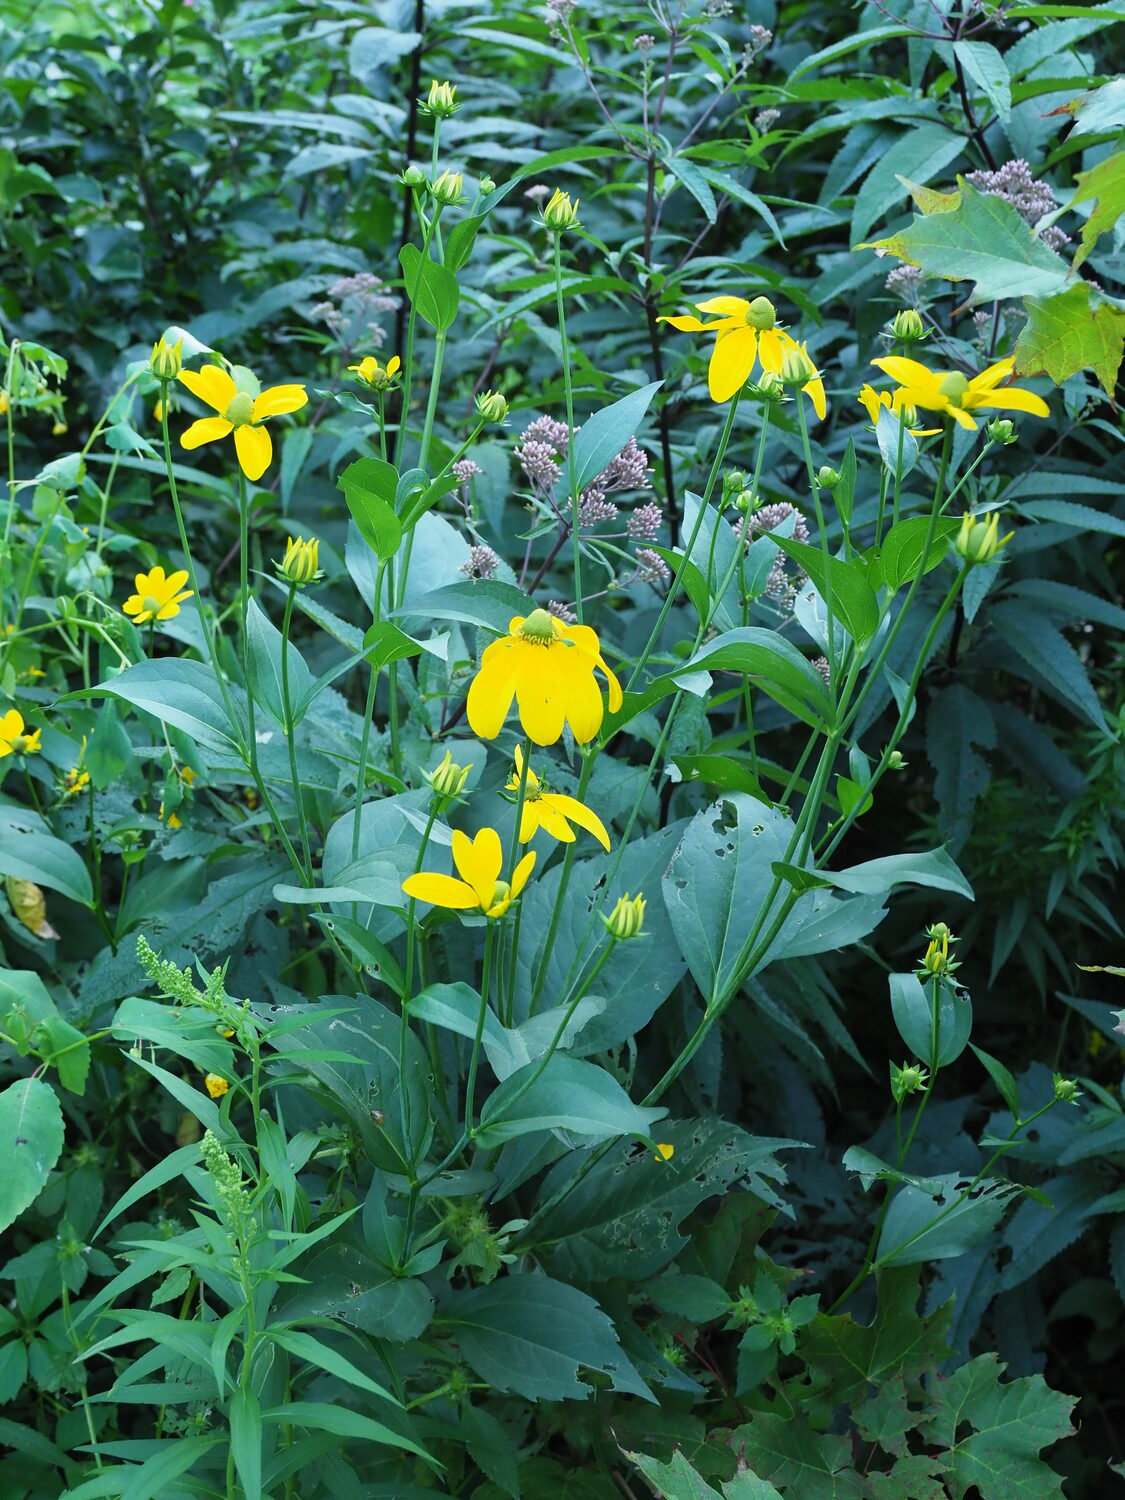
(601, 437)
(370, 487)
(776, 666)
(1001, 1077)
(930, 1219)
(432, 289)
(957, 721)
(1010, 1423)
(321, 1355)
(918, 156)
(31, 1140)
(460, 241)
(321, 1417)
(693, 179)
(842, 585)
(984, 240)
(30, 1016)
(1102, 109)
(695, 1297)
(531, 1335)
(245, 1417)
(487, 602)
(903, 555)
(29, 852)
(878, 877)
(1050, 656)
(264, 646)
(787, 1451)
(986, 67)
(181, 693)
(567, 1094)
(913, 1013)
(678, 1480)
(1071, 331)
(1104, 185)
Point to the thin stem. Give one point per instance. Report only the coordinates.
(568, 389)
(291, 736)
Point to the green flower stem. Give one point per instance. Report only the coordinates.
(513, 855)
(898, 475)
(685, 556)
(411, 925)
(291, 736)
(589, 758)
(10, 436)
(431, 410)
(428, 226)
(738, 561)
(368, 713)
(568, 389)
(474, 1059)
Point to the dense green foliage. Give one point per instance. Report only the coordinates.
(328, 1175)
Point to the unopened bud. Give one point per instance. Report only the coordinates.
(1002, 430)
(447, 778)
(796, 366)
(827, 477)
(166, 360)
(908, 327)
(486, 186)
(300, 564)
(413, 176)
(896, 761)
(907, 1080)
(447, 189)
(626, 919)
(1066, 1090)
(492, 406)
(771, 386)
(560, 213)
(980, 541)
(937, 960)
(440, 100)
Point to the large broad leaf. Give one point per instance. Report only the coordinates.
(31, 1139)
(677, 1480)
(563, 1094)
(878, 877)
(31, 1019)
(432, 289)
(29, 852)
(532, 1335)
(370, 486)
(181, 693)
(918, 1026)
(775, 665)
(269, 675)
(718, 884)
(601, 437)
(1075, 330)
(933, 1218)
(919, 155)
(984, 240)
(842, 585)
(1103, 185)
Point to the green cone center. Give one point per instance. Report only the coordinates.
(240, 412)
(954, 387)
(761, 314)
(539, 627)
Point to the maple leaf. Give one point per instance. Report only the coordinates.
(1105, 186)
(1075, 330)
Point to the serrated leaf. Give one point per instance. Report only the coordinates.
(31, 1140)
(1051, 657)
(1103, 185)
(986, 67)
(1071, 331)
(921, 153)
(785, 1450)
(957, 721)
(984, 240)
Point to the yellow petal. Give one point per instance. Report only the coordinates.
(578, 812)
(772, 344)
(908, 372)
(1011, 399)
(176, 580)
(552, 821)
(441, 890)
(815, 392)
(255, 449)
(394, 365)
(541, 708)
(521, 872)
(278, 400)
(962, 418)
(687, 324)
(731, 362)
(726, 307)
(989, 379)
(492, 690)
(581, 696)
(212, 385)
(529, 820)
(206, 430)
(479, 861)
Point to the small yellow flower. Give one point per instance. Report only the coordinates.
(172, 819)
(955, 395)
(216, 1084)
(664, 1153)
(59, 428)
(186, 775)
(552, 810)
(371, 372)
(5, 403)
(15, 738)
(747, 334)
(548, 667)
(873, 402)
(158, 597)
(76, 780)
(239, 413)
(158, 412)
(479, 862)
(300, 565)
(626, 920)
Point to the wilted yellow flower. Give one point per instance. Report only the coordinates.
(239, 413)
(74, 781)
(552, 811)
(371, 372)
(548, 667)
(157, 597)
(167, 360)
(955, 394)
(747, 334)
(15, 738)
(626, 920)
(216, 1084)
(300, 565)
(560, 213)
(478, 862)
(874, 401)
(980, 541)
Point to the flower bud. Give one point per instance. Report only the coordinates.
(626, 919)
(448, 779)
(413, 176)
(166, 360)
(300, 564)
(980, 541)
(937, 960)
(560, 213)
(745, 501)
(771, 386)
(827, 477)
(492, 407)
(1066, 1090)
(907, 1080)
(440, 101)
(796, 366)
(761, 314)
(908, 416)
(486, 185)
(447, 189)
(896, 761)
(734, 482)
(1002, 430)
(59, 428)
(908, 327)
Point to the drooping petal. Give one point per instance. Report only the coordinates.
(962, 418)
(529, 819)
(578, 812)
(989, 379)
(581, 696)
(278, 400)
(772, 344)
(871, 400)
(1011, 398)
(478, 861)
(212, 385)
(254, 448)
(925, 397)
(687, 324)
(552, 821)
(441, 890)
(908, 372)
(731, 363)
(521, 872)
(492, 690)
(542, 706)
(814, 390)
(206, 430)
(725, 307)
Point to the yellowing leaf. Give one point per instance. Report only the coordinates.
(1070, 332)
(1105, 186)
(929, 200)
(982, 239)
(29, 906)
